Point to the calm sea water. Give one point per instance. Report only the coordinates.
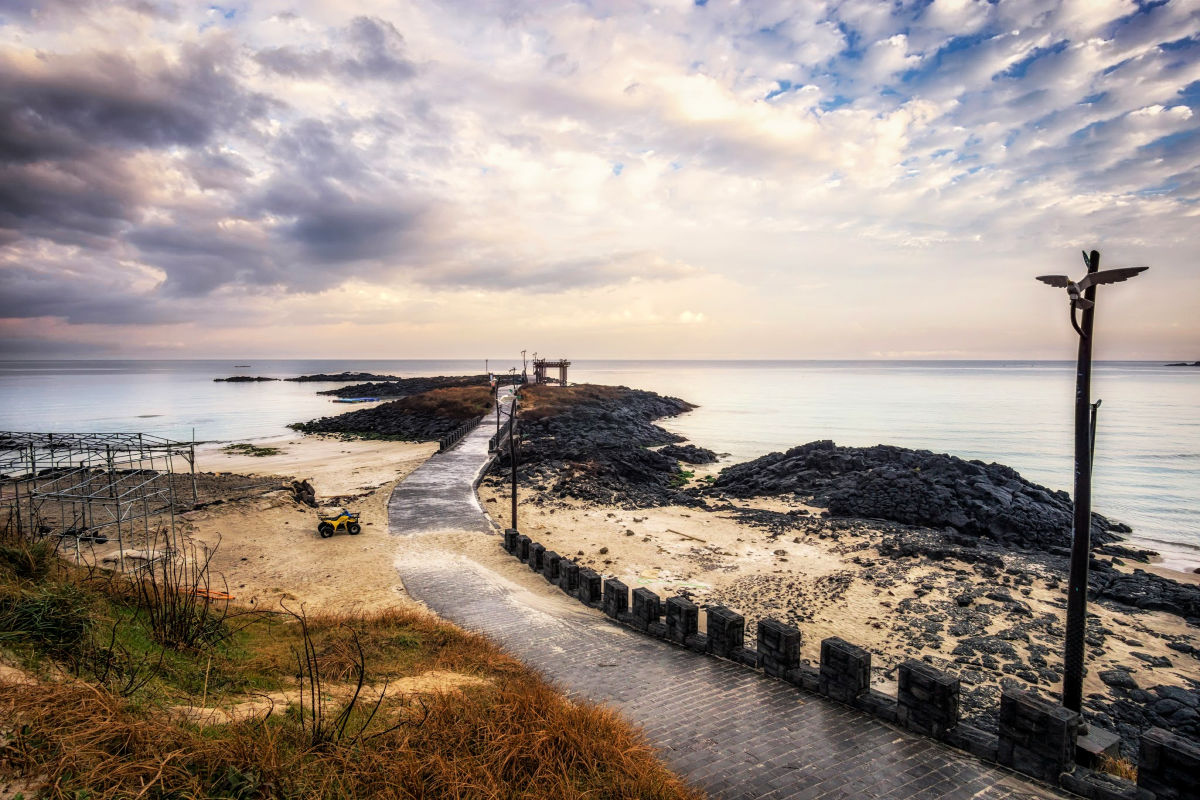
(1147, 464)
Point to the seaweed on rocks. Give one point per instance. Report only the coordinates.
(590, 442)
(918, 487)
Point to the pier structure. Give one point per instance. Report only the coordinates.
(541, 367)
(82, 489)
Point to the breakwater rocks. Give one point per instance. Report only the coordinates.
(243, 379)
(589, 442)
(404, 387)
(386, 421)
(918, 487)
(429, 416)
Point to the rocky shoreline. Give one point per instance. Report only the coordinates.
(958, 563)
(982, 550)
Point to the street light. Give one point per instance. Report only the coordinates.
(1083, 298)
(512, 454)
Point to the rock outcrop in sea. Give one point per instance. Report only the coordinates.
(404, 387)
(423, 417)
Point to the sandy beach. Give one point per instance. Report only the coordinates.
(269, 549)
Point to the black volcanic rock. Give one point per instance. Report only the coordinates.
(1133, 711)
(242, 379)
(590, 443)
(403, 387)
(342, 376)
(1144, 590)
(917, 487)
(689, 453)
(385, 421)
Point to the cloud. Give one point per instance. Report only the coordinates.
(167, 163)
(369, 48)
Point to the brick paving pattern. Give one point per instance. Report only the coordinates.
(729, 731)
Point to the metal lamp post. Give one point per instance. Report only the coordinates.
(512, 455)
(1083, 298)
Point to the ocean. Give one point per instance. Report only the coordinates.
(1018, 413)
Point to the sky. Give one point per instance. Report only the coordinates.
(624, 179)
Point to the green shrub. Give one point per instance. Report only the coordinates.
(55, 617)
(27, 561)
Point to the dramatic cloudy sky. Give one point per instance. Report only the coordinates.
(610, 178)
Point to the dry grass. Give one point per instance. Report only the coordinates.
(459, 402)
(512, 735)
(520, 741)
(1121, 767)
(539, 401)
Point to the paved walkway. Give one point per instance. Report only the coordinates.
(440, 494)
(728, 730)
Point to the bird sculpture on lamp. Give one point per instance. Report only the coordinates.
(1075, 289)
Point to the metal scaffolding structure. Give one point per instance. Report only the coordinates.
(93, 487)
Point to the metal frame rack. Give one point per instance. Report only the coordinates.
(92, 487)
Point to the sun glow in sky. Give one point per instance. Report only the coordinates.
(853, 179)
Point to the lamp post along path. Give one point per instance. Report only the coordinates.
(1083, 298)
(512, 455)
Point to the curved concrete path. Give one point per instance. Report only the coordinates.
(730, 731)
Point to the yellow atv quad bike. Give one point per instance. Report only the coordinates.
(331, 519)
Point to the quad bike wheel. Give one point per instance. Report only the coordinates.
(354, 529)
(325, 529)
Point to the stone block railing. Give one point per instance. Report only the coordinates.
(1036, 737)
(499, 438)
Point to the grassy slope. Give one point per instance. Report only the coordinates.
(511, 735)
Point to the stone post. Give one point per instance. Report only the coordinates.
(1168, 765)
(616, 598)
(1037, 737)
(845, 670)
(523, 547)
(927, 699)
(683, 618)
(510, 540)
(550, 566)
(568, 576)
(647, 608)
(726, 632)
(778, 647)
(589, 587)
(537, 557)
